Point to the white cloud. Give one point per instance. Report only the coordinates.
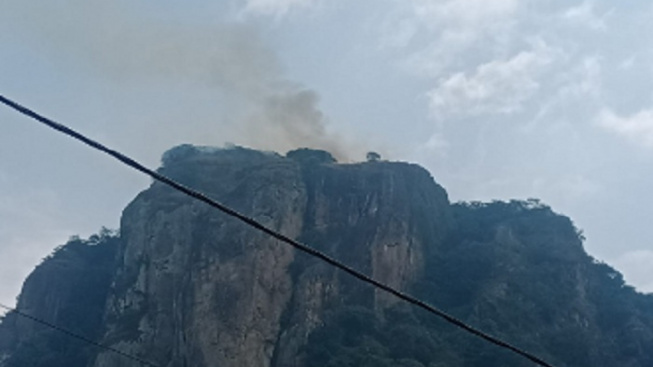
(495, 87)
(576, 82)
(636, 267)
(435, 147)
(464, 12)
(23, 243)
(584, 80)
(585, 15)
(276, 7)
(628, 63)
(637, 127)
(439, 36)
(568, 187)
(454, 29)
(434, 59)
(397, 34)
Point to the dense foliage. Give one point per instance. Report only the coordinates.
(72, 285)
(515, 269)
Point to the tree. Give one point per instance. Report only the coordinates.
(373, 156)
(311, 156)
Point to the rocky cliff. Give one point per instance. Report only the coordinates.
(185, 285)
(70, 289)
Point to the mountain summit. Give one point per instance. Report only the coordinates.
(183, 285)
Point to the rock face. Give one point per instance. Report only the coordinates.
(185, 285)
(68, 289)
(197, 288)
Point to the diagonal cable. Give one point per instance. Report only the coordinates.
(253, 223)
(77, 336)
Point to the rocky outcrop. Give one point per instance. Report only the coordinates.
(195, 287)
(185, 285)
(68, 289)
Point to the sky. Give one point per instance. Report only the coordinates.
(500, 99)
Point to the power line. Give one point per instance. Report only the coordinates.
(77, 336)
(253, 223)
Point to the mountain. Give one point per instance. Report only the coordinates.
(182, 285)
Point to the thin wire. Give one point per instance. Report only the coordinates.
(77, 336)
(253, 223)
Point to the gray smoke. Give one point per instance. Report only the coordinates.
(126, 43)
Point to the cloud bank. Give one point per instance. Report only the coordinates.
(498, 99)
(637, 127)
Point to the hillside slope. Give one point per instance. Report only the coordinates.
(184, 285)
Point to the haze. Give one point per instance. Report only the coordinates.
(498, 99)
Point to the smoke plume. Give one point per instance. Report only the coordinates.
(128, 42)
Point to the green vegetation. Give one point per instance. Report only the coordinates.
(517, 270)
(373, 157)
(70, 290)
(514, 269)
(311, 156)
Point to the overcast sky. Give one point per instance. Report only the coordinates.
(498, 99)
